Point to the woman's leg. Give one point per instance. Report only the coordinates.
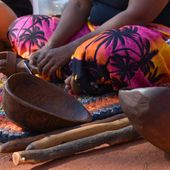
(132, 56)
(29, 33)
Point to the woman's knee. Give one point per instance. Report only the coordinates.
(29, 33)
(115, 55)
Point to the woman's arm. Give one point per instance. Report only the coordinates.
(6, 18)
(73, 17)
(137, 12)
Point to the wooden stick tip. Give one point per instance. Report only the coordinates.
(1, 148)
(17, 159)
(30, 147)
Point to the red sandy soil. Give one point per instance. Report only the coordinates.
(138, 155)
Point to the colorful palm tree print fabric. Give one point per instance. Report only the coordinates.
(27, 34)
(131, 56)
(30, 33)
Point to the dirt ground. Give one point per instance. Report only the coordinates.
(138, 155)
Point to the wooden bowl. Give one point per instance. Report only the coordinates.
(148, 109)
(39, 106)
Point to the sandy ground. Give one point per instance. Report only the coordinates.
(138, 155)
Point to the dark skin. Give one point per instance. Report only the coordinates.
(7, 17)
(45, 59)
(57, 52)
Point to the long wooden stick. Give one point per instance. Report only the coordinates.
(77, 133)
(21, 144)
(109, 119)
(111, 137)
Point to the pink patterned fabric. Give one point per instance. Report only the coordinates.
(132, 56)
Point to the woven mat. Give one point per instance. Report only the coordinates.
(8, 130)
(100, 107)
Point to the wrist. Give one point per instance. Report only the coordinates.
(49, 45)
(55, 43)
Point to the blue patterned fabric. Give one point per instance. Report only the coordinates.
(8, 130)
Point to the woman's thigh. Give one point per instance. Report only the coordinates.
(132, 56)
(30, 33)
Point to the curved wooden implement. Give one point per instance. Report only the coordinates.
(39, 106)
(148, 109)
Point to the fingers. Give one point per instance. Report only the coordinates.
(34, 70)
(45, 70)
(33, 61)
(75, 87)
(67, 81)
(52, 69)
(45, 62)
(68, 85)
(49, 64)
(46, 65)
(37, 56)
(41, 57)
(71, 86)
(49, 69)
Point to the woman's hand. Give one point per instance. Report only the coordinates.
(34, 56)
(47, 60)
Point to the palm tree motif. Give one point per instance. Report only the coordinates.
(33, 37)
(12, 34)
(39, 19)
(33, 33)
(154, 77)
(85, 67)
(125, 67)
(96, 72)
(145, 63)
(117, 84)
(12, 29)
(94, 76)
(112, 37)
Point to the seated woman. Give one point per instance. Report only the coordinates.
(111, 44)
(7, 17)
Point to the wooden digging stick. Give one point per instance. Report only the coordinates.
(21, 144)
(67, 149)
(77, 133)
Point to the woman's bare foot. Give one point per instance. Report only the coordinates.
(71, 86)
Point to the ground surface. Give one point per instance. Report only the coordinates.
(139, 155)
